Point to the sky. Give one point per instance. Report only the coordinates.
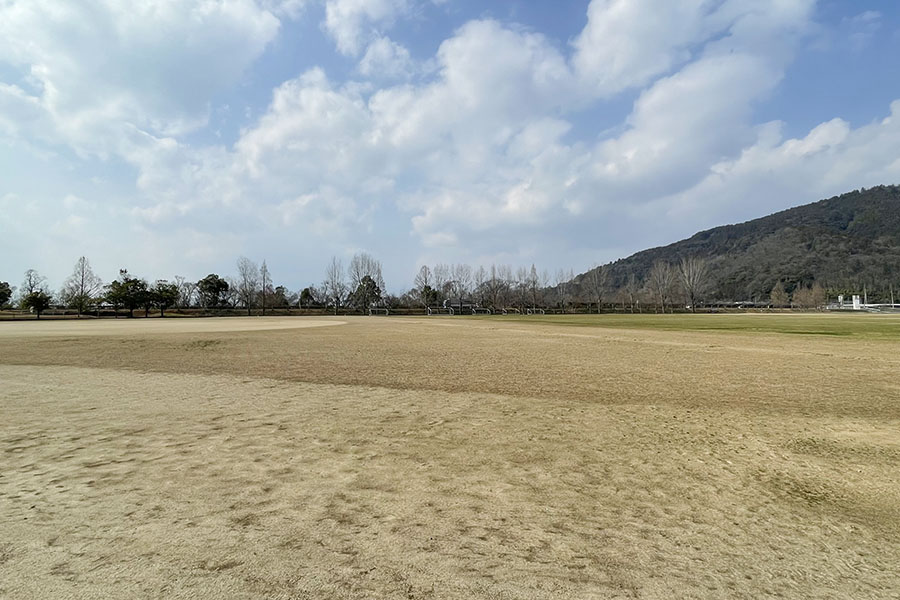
(171, 137)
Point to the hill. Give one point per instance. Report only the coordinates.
(844, 243)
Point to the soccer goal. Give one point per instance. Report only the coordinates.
(535, 311)
(481, 311)
(511, 311)
(379, 311)
(439, 311)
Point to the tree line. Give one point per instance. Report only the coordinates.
(688, 284)
(360, 287)
(251, 289)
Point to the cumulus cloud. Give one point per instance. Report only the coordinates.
(385, 59)
(482, 147)
(628, 42)
(350, 23)
(153, 65)
(830, 159)
(486, 156)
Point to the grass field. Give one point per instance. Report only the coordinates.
(612, 456)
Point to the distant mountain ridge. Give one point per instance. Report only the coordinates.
(845, 243)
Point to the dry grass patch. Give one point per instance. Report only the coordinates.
(404, 458)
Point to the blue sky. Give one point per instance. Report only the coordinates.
(170, 137)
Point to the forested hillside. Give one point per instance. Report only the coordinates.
(844, 243)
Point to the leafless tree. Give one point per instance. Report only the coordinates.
(335, 286)
(461, 280)
(595, 285)
(809, 297)
(521, 292)
(231, 297)
(564, 287)
(496, 284)
(247, 282)
(265, 289)
(660, 280)
(632, 290)
(363, 265)
(186, 292)
(505, 285)
(441, 273)
(422, 284)
(818, 295)
(779, 297)
(81, 287)
(693, 272)
(32, 283)
(480, 285)
(423, 278)
(534, 287)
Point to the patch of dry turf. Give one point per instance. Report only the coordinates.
(413, 458)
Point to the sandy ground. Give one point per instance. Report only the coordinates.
(414, 458)
(131, 327)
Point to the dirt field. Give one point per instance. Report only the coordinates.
(594, 457)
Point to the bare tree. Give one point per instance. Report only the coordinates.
(595, 285)
(81, 287)
(230, 295)
(335, 286)
(423, 285)
(632, 290)
(461, 281)
(809, 297)
(479, 280)
(187, 291)
(505, 284)
(265, 285)
(693, 272)
(564, 287)
(534, 286)
(660, 281)
(441, 273)
(818, 296)
(423, 278)
(364, 265)
(778, 296)
(32, 283)
(247, 282)
(522, 287)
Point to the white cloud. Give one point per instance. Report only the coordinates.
(831, 159)
(487, 156)
(351, 23)
(153, 65)
(863, 28)
(479, 149)
(291, 9)
(628, 42)
(385, 59)
(674, 136)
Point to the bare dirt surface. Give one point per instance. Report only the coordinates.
(131, 327)
(417, 458)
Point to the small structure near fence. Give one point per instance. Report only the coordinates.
(858, 303)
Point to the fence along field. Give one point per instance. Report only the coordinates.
(653, 457)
